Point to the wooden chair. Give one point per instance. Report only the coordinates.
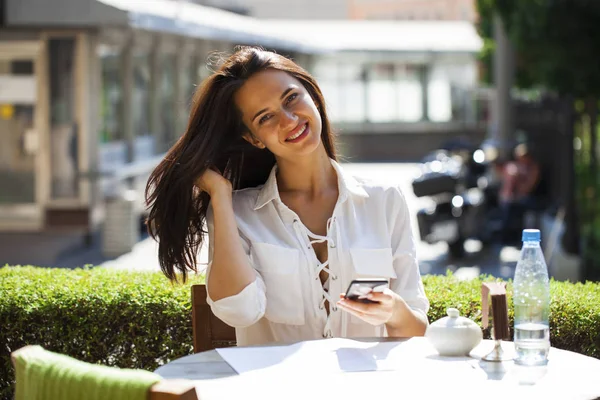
(209, 332)
(173, 389)
(168, 389)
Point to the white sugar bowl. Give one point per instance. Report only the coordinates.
(454, 336)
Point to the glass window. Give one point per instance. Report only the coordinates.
(439, 96)
(141, 92)
(112, 93)
(144, 140)
(327, 78)
(352, 87)
(205, 69)
(409, 94)
(17, 134)
(63, 129)
(167, 95)
(113, 150)
(190, 81)
(381, 93)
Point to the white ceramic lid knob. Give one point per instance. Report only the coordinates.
(453, 312)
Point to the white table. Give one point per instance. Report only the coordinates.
(419, 373)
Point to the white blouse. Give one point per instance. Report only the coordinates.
(369, 235)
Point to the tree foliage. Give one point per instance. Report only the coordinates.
(556, 42)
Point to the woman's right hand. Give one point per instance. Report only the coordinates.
(213, 182)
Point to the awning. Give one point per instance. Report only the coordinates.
(193, 20)
(385, 36)
(167, 16)
(190, 19)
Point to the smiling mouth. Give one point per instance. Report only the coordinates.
(300, 133)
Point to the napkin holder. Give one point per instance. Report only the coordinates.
(496, 291)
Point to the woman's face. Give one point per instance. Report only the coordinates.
(279, 113)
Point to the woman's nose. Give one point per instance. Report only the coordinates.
(288, 118)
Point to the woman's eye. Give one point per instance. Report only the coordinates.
(291, 98)
(264, 118)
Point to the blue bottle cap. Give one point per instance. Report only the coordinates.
(531, 235)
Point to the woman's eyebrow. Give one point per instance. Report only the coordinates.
(285, 92)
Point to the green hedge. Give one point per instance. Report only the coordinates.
(140, 320)
(128, 319)
(574, 309)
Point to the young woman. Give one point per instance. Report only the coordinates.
(288, 229)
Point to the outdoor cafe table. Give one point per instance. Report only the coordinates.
(418, 372)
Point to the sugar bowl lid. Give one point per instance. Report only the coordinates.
(454, 320)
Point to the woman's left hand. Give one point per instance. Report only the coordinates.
(373, 313)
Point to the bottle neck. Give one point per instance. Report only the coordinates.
(531, 244)
(531, 251)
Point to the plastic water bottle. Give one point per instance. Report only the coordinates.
(531, 298)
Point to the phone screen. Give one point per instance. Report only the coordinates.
(359, 289)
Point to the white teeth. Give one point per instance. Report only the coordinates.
(297, 134)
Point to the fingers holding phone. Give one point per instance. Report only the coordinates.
(359, 289)
(369, 300)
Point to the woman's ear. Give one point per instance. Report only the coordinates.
(253, 140)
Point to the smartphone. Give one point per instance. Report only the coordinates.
(360, 288)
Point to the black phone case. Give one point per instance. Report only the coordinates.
(353, 294)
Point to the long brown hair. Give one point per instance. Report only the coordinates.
(213, 139)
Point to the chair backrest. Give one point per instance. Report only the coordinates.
(173, 389)
(38, 367)
(209, 331)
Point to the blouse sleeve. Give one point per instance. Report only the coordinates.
(408, 283)
(246, 307)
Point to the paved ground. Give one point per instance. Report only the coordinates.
(497, 261)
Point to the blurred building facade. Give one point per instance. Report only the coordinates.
(399, 66)
(92, 94)
(422, 10)
(300, 9)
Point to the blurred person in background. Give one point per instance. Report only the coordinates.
(288, 229)
(519, 191)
